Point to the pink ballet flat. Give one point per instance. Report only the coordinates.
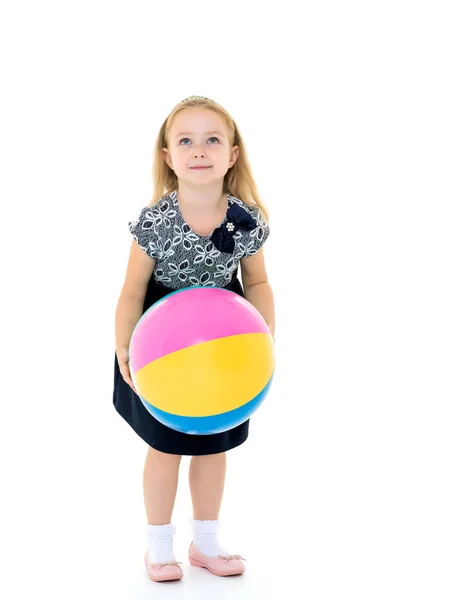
(167, 571)
(219, 565)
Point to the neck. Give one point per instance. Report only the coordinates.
(210, 196)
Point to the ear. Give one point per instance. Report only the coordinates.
(166, 156)
(234, 156)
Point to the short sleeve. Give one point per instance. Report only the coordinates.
(145, 230)
(256, 238)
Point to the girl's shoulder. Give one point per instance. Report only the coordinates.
(156, 211)
(151, 225)
(162, 205)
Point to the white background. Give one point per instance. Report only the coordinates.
(342, 489)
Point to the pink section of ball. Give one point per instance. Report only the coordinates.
(189, 317)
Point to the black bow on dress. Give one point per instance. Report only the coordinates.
(237, 218)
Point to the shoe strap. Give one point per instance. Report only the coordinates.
(163, 564)
(231, 556)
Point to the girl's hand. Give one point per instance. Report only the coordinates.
(122, 359)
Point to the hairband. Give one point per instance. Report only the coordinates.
(195, 98)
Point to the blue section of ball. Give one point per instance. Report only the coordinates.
(212, 424)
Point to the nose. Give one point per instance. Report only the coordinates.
(198, 152)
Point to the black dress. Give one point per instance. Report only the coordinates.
(183, 259)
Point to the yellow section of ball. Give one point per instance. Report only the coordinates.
(209, 378)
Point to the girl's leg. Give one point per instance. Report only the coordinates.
(160, 485)
(160, 488)
(207, 480)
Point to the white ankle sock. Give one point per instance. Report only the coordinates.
(160, 542)
(205, 537)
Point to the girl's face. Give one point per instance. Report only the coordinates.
(199, 138)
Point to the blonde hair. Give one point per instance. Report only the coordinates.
(238, 181)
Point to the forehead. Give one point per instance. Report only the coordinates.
(197, 120)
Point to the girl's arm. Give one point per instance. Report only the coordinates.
(129, 307)
(257, 289)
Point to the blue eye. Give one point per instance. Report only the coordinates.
(211, 138)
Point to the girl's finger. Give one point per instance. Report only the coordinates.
(130, 383)
(125, 372)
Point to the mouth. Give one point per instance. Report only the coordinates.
(200, 167)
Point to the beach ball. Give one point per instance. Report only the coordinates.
(202, 360)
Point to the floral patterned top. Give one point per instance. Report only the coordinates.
(185, 258)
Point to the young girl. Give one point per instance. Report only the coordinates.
(205, 219)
